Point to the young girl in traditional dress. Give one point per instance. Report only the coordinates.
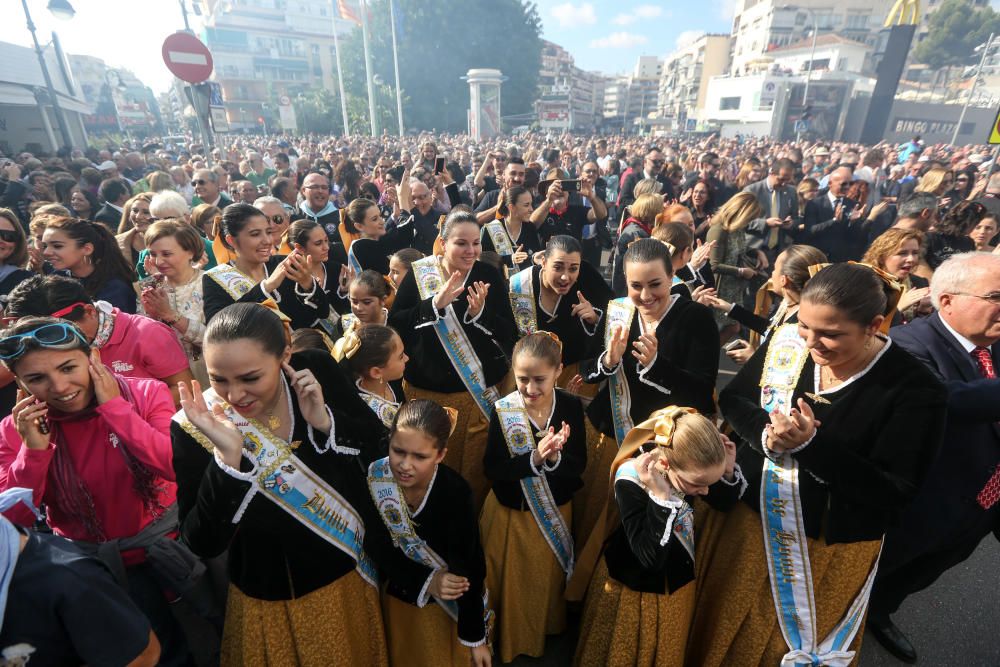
(400, 263)
(428, 509)
(375, 358)
(535, 456)
(255, 274)
(658, 348)
(840, 427)
(641, 597)
(368, 292)
(454, 316)
(559, 295)
(266, 467)
(329, 262)
(372, 248)
(514, 236)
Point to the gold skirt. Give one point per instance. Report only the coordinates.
(735, 622)
(467, 444)
(625, 628)
(339, 625)
(591, 502)
(421, 637)
(524, 579)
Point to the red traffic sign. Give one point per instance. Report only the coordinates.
(187, 58)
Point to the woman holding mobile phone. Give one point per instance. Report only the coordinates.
(255, 275)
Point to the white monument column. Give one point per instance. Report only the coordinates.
(484, 102)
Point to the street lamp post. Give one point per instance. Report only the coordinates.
(972, 89)
(812, 55)
(61, 9)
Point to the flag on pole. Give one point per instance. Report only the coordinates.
(349, 10)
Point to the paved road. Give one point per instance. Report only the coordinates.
(955, 622)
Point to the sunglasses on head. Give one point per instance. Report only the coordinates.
(8, 236)
(56, 336)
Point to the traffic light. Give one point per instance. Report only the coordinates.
(260, 120)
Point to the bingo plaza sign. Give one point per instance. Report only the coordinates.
(916, 126)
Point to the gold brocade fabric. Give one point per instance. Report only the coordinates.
(735, 622)
(421, 637)
(625, 628)
(467, 443)
(524, 579)
(591, 499)
(339, 625)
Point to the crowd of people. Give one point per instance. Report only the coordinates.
(431, 400)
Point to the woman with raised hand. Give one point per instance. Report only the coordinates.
(135, 221)
(329, 263)
(254, 275)
(839, 427)
(374, 244)
(457, 327)
(657, 347)
(641, 598)
(95, 448)
(428, 510)
(897, 251)
(564, 295)
(267, 468)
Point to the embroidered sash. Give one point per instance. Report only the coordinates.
(519, 435)
(385, 409)
(502, 243)
(683, 529)
(235, 282)
(620, 312)
(396, 517)
(454, 340)
(522, 302)
(353, 262)
(785, 542)
(291, 485)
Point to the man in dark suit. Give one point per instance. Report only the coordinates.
(958, 505)
(830, 221)
(772, 231)
(114, 193)
(652, 167)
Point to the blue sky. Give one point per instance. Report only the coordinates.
(602, 35)
(609, 36)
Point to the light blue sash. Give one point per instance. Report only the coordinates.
(785, 544)
(683, 529)
(522, 302)
(520, 438)
(352, 260)
(396, 517)
(620, 312)
(454, 340)
(291, 485)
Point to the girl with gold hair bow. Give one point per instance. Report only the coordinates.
(535, 456)
(641, 598)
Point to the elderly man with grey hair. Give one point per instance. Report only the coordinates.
(206, 189)
(259, 174)
(958, 505)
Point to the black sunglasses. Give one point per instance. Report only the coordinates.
(278, 219)
(8, 236)
(198, 182)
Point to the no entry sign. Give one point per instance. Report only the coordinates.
(187, 58)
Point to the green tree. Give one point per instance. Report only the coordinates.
(440, 42)
(955, 29)
(318, 110)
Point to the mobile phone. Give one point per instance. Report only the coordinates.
(570, 186)
(438, 165)
(43, 422)
(397, 172)
(735, 344)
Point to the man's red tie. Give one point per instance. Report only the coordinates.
(988, 497)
